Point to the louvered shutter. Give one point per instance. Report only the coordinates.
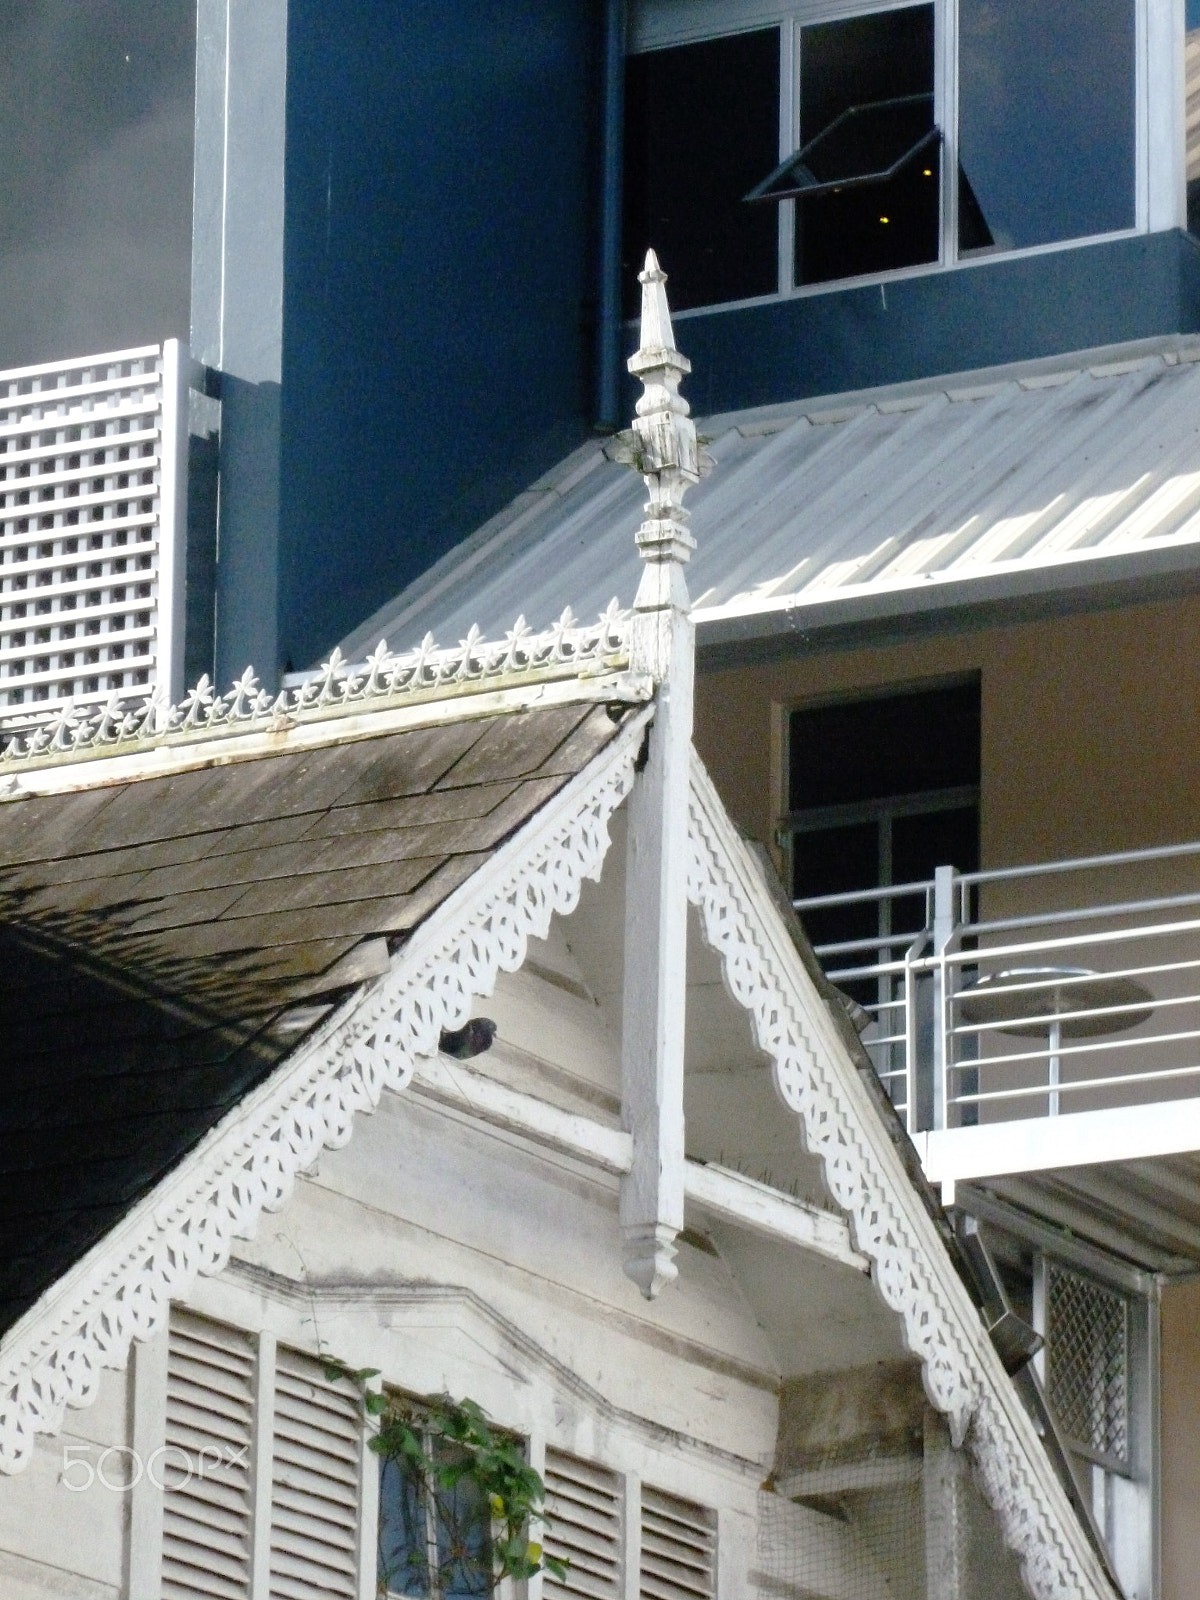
(583, 1508)
(207, 1510)
(315, 1483)
(679, 1548)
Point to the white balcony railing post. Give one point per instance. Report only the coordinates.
(172, 528)
(944, 932)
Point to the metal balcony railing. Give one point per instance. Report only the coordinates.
(1031, 991)
(93, 476)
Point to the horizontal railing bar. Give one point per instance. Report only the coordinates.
(891, 891)
(1118, 858)
(962, 1030)
(1157, 969)
(1076, 1084)
(876, 942)
(882, 969)
(1041, 919)
(1077, 1050)
(991, 953)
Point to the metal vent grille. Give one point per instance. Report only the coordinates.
(1087, 1362)
(679, 1548)
(583, 1508)
(81, 480)
(315, 1484)
(207, 1512)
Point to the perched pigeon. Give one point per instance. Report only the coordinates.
(472, 1039)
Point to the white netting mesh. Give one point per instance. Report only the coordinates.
(871, 1529)
(844, 1531)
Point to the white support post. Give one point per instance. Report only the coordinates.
(943, 1489)
(262, 1463)
(172, 522)
(535, 1454)
(943, 986)
(662, 446)
(631, 1537)
(368, 1517)
(146, 1495)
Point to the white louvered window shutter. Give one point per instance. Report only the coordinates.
(207, 1507)
(583, 1510)
(315, 1487)
(679, 1548)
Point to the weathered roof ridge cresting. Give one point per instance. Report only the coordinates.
(566, 650)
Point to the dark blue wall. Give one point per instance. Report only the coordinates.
(440, 277)
(977, 316)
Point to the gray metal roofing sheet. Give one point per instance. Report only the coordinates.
(869, 496)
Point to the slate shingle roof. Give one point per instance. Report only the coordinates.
(164, 943)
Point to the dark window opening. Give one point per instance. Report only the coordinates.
(702, 126)
(881, 793)
(884, 62)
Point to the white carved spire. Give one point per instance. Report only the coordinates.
(662, 447)
(664, 451)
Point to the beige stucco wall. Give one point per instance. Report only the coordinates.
(1090, 743)
(1090, 723)
(1180, 1442)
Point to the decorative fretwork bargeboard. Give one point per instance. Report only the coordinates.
(82, 465)
(567, 650)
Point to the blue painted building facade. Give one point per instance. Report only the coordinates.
(408, 258)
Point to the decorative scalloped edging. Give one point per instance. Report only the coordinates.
(566, 648)
(249, 1163)
(902, 1263)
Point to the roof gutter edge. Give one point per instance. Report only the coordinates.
(891, 615)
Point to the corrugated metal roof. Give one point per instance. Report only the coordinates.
(1034, 469)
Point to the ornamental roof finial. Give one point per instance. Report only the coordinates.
(662, 447)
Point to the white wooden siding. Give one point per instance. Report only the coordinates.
(207, 1512)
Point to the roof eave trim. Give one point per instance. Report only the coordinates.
(122, 1289)
(161, 760)
(1068, 583)
(815, 1077)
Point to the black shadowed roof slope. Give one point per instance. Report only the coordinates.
(165, 942)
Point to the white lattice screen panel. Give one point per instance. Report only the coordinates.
(207, 1512)
(88, 461)
(679, 1548)
(583, 1508)
(315, 1484)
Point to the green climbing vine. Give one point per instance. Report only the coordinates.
(465, 1499)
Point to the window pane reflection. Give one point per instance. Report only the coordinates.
(1046, 120)
(1191, 57)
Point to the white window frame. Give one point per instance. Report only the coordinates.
(1160, 198)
